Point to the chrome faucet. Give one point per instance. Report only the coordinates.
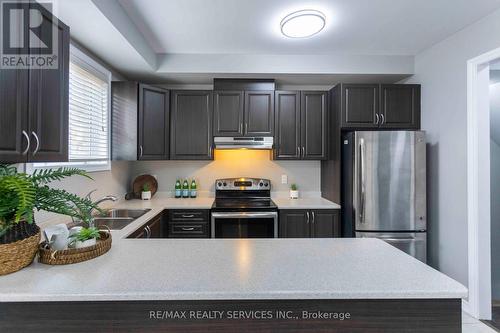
(105, 198)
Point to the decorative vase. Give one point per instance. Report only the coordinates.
(87, 243)
(146, 195)
(18, 247)
(294, 194)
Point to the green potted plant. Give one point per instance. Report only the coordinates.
(84, 237)
(294, 192)
(20, 195)
(146, 192)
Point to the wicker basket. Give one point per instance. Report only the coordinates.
(18, 247)
(72, 256)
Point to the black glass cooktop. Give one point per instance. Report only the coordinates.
(244, 204)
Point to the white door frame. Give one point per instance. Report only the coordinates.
(478, 186)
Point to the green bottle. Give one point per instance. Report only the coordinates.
(185, 189)
(178, 189)
(193, 191)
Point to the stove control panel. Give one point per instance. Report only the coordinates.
(243, 184)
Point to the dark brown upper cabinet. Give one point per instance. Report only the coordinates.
(301, 125)
(400, 106)
(153, 123)
(318, 223)
(287, 129)
(259, 113)
(243, 113)
(314, 106)
(359, 105)
(228, 113)
(191, 125)
(34, 106)
(384, 106)
(140, 122)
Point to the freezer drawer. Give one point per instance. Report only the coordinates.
(415, 244)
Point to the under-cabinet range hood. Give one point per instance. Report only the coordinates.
(261, 142)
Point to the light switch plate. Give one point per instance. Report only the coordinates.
(284, 179)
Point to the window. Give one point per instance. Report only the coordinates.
(89, 105)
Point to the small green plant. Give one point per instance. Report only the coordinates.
(85, 234)
(293, 187)
(146, 187)
(21, 194)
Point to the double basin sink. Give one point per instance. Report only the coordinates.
(116, 219)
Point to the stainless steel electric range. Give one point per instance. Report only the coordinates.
(243, 209)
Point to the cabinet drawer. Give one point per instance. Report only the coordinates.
(187, 230)
(188, 215)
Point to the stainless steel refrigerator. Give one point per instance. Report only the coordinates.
(384, 188)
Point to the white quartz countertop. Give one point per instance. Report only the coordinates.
(305, 203)
(208, 269)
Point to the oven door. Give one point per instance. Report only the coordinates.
(244, 225)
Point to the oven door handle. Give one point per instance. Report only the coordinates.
(244, 215)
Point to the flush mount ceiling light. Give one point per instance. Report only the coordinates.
(303, 23)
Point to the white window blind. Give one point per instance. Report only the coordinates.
(88, 116)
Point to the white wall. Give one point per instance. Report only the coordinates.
(233, 163)
(442, 71)
(495, 189)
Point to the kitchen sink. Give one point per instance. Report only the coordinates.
(113, 223)
(124, 213)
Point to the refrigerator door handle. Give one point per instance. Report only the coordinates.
(362, 192)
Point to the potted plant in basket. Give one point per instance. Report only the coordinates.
(20, 195)
(84, 237)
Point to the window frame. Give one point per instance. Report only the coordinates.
(84, 61)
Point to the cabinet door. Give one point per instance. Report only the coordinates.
(48, 101)
(14, 134)
(359, 105)
(155, 226)
(228, 113)
(191, 125)
(314, 124)
(400, 106)
(287, 125)
(325, 223)
(294, 224)
(153, 141)
(259, 113)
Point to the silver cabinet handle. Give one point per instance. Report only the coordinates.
(148, 230)
(37, 143)
(188, 216)
(377, 119)
(140, 151)
(298, 151)
(246, 128)
(28, 143)
(188, 229)
(307, 215)
(313, 217)
(383, 118)
(241, 128)
(303, 152)
(362, 181)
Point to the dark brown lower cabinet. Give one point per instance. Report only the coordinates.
(318, 223)
(188, 223)
(151, 229)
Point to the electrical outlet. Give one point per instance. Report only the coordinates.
(284, 179)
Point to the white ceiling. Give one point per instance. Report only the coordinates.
(396, 27)
(192, 41)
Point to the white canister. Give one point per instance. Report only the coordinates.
(87, 243)
(294, 194)
(146, 195)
